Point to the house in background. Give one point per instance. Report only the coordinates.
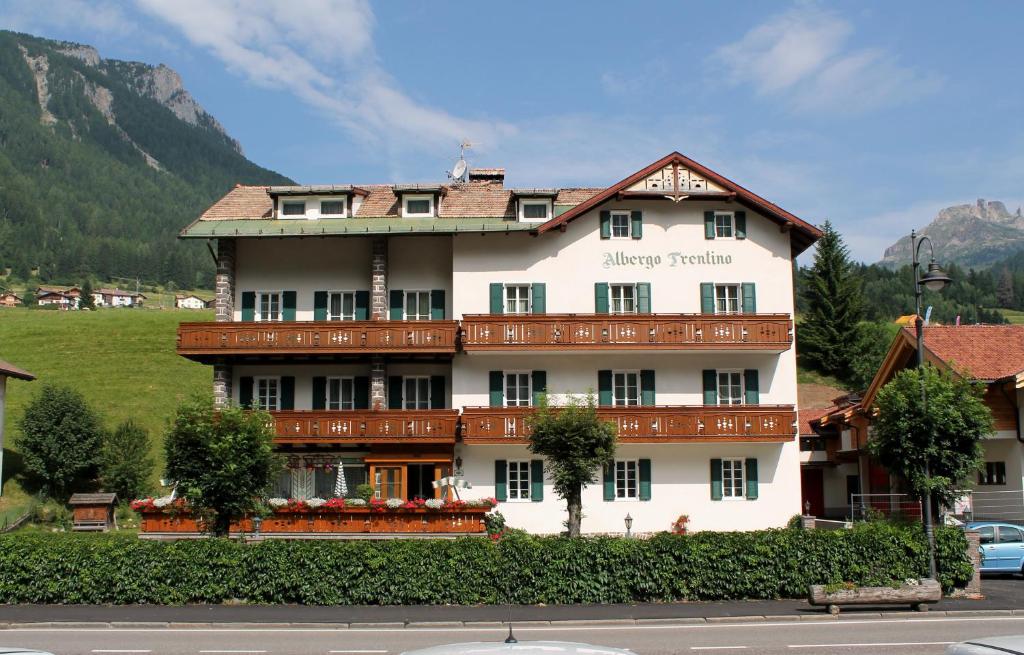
(7, 371)
(62, 297)
(990, 354)
(117, 298)
(10, 299)
(191, 301)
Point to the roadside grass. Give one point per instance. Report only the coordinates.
(122, 360)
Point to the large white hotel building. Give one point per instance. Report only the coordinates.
(401, 333)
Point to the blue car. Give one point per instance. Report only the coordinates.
(1002, 546)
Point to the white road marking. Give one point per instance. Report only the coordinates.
(717, 647)
(232, 651)
(883, 643)
(357, 651)
(124, 650)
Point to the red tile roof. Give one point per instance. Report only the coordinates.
(986, 352)
(808, 415)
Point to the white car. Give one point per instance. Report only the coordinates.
(520, 648)
(4, 650)
(1013, 645)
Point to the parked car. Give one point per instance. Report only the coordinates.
(4, 650)
(1012, 645)
(1002, 546)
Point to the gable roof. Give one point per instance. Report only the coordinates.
(804, 234)
(12, 371)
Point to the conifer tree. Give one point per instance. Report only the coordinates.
(834, 302)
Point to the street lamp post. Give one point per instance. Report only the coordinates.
(933, 280)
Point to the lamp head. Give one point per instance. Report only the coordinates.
(629, 521)
(935, 279)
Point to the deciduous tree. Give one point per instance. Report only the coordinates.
(125, 462)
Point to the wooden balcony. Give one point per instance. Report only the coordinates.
(763, 332)
(436, 426)
(202, 341)
(657, 424)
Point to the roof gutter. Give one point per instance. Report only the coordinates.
(1016, 414)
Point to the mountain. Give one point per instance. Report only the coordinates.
(975, 236)
(102, 162)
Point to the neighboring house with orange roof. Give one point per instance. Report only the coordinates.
(62, 297)
(9, 299)
(8, 371)
(991, 354)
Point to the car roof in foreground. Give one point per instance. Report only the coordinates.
(520, 648)
(1011, 645)
(7, 649)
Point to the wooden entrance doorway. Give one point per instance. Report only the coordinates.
(812, 490)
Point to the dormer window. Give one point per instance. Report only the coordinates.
(293, 208)
(417, 206)
(332, 208)
(535, 210)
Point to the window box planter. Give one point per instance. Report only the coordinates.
(917, 594)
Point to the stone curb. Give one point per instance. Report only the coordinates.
(525, 625)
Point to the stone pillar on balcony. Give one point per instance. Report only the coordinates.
(378, 382)
(225, 281)
(222, 373)
(379, 312)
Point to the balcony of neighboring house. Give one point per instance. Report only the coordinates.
(647, 424)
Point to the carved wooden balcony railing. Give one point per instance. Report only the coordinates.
(765, 332)
(202, 340)
(366, 426)
(653, 424)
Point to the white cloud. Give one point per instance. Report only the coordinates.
(31, 15)
(803, 57)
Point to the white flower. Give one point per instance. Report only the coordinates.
(163, 501)
(355, 502)
(313, 503)
(394, 503)
(277, 502)
(435, 503)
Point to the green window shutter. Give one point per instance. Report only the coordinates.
(606, 225)
(707, 298)
(536, 480)
(609, 482)
(437, 305)
(601, 297)
(287, 399)
(604, 387)
(396, 305)
(751, 391)
(749, 294)
(362, 305)
(319, 305)
(716, 479)
(437, 392)
(647, 388)
(496, 384)
(710, 378)
(361, 392)
(645, 479)
(750, 469)
(539, 381)
(643, 297)
(319, 392)
(288, 302)
(539, 304)
(636, 228)
(709, 225)
(248, 305)
(497, 298)
(501, 479)
(741, 224)
(394, 392)
(245, 391)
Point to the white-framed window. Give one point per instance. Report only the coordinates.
(727, 299)
(622, 298)
(417, 205)
(266, 393)
(730, 388)
(732, 478)
(416, 392)
(268, 306)
(625, 388)
(519, 480)
(293, 209)
(417, 305)
(994, 473)
(518, 391)
(341, 305)
(341, 393)
(620, 225)
(534, 210)
(517, 298)
(626, 480)
(333, 207)
(724, 228)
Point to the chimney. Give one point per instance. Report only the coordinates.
(487, 176)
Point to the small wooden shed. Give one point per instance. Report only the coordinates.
(93, 511)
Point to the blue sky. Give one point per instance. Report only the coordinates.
(871, 114)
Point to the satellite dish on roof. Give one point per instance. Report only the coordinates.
(459, 169)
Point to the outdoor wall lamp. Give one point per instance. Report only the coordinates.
(629, 525)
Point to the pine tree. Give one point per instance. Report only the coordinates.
(86, 301)
(834, 302)
(1004, 289)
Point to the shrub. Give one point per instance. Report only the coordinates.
(125, 464)
(518, 568)
(365, 491)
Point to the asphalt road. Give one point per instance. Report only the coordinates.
(852, 636)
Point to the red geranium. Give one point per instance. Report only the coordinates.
(334, 504)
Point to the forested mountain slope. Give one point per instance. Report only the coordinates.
(102, 162)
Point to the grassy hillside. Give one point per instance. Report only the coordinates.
(123, 361)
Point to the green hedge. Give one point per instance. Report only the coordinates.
(75, 568)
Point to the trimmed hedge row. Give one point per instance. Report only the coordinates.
(74, 568)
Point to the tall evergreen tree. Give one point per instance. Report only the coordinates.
(86, 301)
(834, 302)
(1004, 289)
